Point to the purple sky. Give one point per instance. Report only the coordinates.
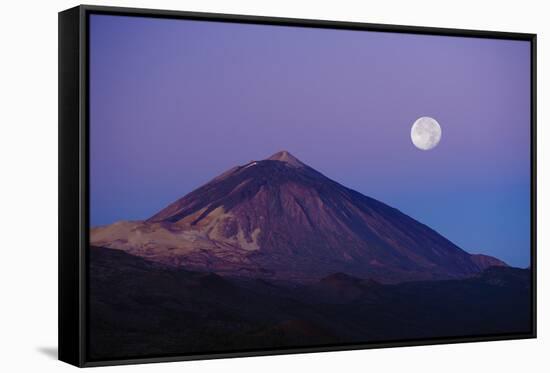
(173, 103)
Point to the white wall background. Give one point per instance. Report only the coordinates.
(28, 184)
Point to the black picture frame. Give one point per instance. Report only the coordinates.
(74, 183)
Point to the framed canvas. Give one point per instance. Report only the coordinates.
(237, 186)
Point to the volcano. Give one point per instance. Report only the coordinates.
(280, 219)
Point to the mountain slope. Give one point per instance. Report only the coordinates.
(279, 218)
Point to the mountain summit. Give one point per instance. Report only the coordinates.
(285, 156)
(280, 219)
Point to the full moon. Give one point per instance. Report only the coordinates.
(425, 133)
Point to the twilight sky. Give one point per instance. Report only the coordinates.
(174, 103)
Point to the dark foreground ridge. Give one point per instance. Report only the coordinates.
(140, 308)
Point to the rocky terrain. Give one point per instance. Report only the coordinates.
(280, 219)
